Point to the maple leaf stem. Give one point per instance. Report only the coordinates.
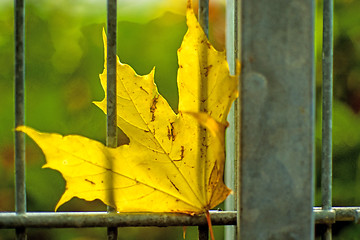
(210, 225)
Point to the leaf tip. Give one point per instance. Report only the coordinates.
(64, 198)
(57, 207)
(20, 128)
(28, 130)
(105, 46)
(104, 34)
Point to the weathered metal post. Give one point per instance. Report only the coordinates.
(276, 188)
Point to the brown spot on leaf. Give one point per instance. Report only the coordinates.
(172, 131)
(169, 133)
(153, 107)
(207, 69)
(173, 185)
(89, 181)
(143, 89)
(182, 152)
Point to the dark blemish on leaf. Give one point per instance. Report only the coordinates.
(146, 131)
(172, 131)
(181, 66)
(208, 45)
(173, 185)
(149, 169)
(89, 181)
(153, 107)
(204, 144)
(182, 153)
(169, 133)
(102, 181)
(207, 69)
(143, 89)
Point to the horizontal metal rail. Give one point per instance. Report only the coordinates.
(336, 214)
(104, 219)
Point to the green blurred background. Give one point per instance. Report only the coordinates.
(64, 56)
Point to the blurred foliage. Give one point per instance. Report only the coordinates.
(64, 55)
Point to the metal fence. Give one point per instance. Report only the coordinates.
(270, 144)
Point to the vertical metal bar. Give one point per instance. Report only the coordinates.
(232, 153)
(238, 118)
(327, 90)
(203, 232)
(204, 15)
(203, 18)
(20, 187)
(277, 120)
(111, 123)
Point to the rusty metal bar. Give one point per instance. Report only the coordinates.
(111, 123)
(103, 219)
(327, 90)
(203, 18)
(20, 186)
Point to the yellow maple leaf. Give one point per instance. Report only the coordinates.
(172, 163)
